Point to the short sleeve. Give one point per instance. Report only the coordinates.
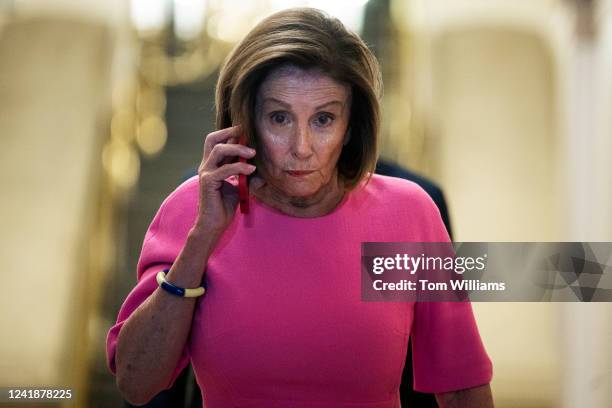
(163, 242)
(447, 351)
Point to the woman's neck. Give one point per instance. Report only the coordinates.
(324, 201)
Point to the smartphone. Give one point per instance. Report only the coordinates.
(243, 185)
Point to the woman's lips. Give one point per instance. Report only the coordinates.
(299, 173)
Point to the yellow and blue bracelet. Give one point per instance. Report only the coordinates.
(175, 290)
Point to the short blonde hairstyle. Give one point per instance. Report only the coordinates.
(306, 38)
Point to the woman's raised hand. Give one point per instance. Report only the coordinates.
(218, 198)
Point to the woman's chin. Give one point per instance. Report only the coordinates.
(300, 192)
(298, 187)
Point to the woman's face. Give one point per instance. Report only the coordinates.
(302, 116)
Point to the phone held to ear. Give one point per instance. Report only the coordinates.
(243, 186)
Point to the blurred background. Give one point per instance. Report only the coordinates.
(505, 104)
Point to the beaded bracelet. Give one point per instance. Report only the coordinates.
(175, 290)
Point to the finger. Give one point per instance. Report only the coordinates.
(232, 169)
(231, 140)
(223, 152)
(220, 136)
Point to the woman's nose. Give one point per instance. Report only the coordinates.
(302, 146)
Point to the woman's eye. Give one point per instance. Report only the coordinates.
(324, 119)
(279, 118)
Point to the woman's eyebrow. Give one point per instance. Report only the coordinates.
(288, 106)
(329, 103)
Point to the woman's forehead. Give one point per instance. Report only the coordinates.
(289, 81)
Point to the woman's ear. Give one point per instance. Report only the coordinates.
(347, 137)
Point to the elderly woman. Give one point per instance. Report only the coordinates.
(281, 323)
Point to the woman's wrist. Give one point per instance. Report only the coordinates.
(201, 228)
(203, 238)
(190, 265)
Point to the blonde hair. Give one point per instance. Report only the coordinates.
(306, 38)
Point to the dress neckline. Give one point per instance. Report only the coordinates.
(270, 209)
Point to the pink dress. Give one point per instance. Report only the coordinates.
(282, 323)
